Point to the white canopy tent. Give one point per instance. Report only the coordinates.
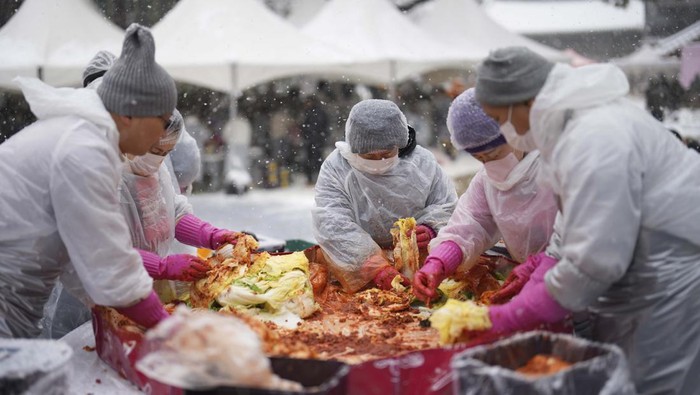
(54, 39)
(463, 24)
(232, 45)
(572, 16)
(375, 31)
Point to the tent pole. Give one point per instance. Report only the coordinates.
(232, 114)
(392, 80)
(234, 94)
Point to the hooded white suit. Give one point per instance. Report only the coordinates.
(60, 210)
(629, 193)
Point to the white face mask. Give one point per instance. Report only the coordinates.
(371, 166)
(368, 166)
(146, 165)
(524, 142)
(499, 169)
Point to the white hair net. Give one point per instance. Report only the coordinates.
(375, 125)
(186, 160)
(98, 65)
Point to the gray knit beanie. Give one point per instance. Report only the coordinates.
(470, 128)
(511, 75)
(136, 85)
(98, 66)
(375, 125)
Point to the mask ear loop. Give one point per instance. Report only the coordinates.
(408, 149)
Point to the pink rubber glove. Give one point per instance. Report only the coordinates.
(424, 234)
(532, 307)
(181, 267)
(517, 278)
(384, 278)
(147, 312)
(193, 231)
(442, 262)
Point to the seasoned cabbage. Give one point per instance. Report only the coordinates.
(456, 316)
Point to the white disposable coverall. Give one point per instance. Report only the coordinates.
(518, 209)
(630, 224)
(60, 212)
(355, 211)
(151, 206)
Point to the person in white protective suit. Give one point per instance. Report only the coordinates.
(152, 206)
(503, 200)
(60, 199)
(629, 232)
(374, 177)
(151, 201)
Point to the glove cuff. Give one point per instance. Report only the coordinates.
(531, 308)
(152, 263)
(147, 312)
(449, 253)
(499, 315)
(433, 265)
(193, 231)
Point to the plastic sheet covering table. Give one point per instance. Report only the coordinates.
(90, 374)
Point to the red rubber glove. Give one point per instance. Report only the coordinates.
(147, 312)
(181, 267)
(442, 262)
(517, 279)
(532, 307)
(384, 278)
(428, 278)
(424, 234)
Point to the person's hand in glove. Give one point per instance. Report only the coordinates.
(517, 278)
(223, 236)
(181, 267)
(147, 312)
(442, 262)
(424, 234)
(384, 278)
(531, 308)
(193, 231)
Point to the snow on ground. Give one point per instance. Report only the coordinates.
(283, 213)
